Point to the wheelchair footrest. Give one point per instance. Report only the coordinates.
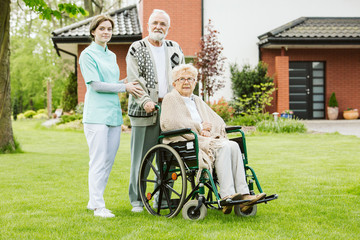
(229, 201)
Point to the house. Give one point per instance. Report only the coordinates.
(311, 57)
(130, 26)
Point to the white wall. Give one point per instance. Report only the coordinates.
(240, 22)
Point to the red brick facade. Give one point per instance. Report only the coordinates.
(342, 74)
(120, 50)
(185, 17)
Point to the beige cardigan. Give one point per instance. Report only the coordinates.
(175, 115)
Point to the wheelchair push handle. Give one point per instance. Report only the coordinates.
(233, 129)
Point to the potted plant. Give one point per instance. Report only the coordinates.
(333, 108)
(287, 114)
(351, 113)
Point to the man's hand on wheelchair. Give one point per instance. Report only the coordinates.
(149, 107)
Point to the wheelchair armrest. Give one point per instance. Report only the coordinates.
(232, 129)
(176, 132)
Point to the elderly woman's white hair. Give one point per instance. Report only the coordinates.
(156, 11)
(183, 69)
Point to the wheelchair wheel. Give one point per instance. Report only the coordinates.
(162, 181)
(188, 214)
(248, 213)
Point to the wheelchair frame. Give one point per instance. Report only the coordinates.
(178, 163)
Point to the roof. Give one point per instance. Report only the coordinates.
(126, 28)
(314, 30)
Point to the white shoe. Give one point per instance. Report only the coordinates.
(137, 209)
(103, 212)
(92, 209)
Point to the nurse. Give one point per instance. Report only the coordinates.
(102, 115)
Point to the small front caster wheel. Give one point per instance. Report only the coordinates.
(188, 211)
(250, 212)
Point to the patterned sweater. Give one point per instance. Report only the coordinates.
(141, 68)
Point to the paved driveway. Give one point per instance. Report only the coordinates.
(345, 127)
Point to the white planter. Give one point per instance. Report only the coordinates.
(332, 113)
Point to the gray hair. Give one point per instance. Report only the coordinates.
(178, 71)
(156, 11)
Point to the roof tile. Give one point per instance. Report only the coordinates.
(126, 22)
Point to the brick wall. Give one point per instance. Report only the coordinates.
(282, 82)
(342, 72)
(185, 16)
(119, 49)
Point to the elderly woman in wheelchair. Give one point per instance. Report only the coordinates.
(196, 144)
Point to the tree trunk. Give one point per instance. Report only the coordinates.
(6, 133)
(88, 7)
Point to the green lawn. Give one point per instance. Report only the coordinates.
(44, 191)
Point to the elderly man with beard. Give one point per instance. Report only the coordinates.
(149, 62)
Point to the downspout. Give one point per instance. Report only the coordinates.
(58, 50)
(260, 57)
(202, 18)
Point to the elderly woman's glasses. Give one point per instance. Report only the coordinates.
(185, 79)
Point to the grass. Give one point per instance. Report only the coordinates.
(281, 126)
(44, 191)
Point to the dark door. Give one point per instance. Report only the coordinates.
(306, 89)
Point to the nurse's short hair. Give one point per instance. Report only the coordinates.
(97, 20)
(180, 70)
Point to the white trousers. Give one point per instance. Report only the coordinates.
(103, 142)
(230, 171)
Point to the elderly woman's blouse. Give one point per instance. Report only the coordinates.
(99, 64)
(191, 106)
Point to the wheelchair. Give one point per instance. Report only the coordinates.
(167, 169)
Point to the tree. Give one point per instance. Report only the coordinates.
(70, 98)
(40, 7)
(33, 62)
(210, 63)
(252, 88)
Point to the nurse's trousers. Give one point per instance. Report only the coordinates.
(103, 142)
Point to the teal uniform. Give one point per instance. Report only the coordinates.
(99, 64)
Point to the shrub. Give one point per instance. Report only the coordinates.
(126, 120)
(248, 120)
(252, 88)
(41, 111)
(21, 116)
(79, 108)
(69, 118)
(332, 101)
(29, 114)
(283, 125)
(243, 81)
(258, 101)
(222, 108)
(124, 99)
(73, 125)
(41, 116)
(70, 98)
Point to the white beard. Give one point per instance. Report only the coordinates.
(157, 36)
